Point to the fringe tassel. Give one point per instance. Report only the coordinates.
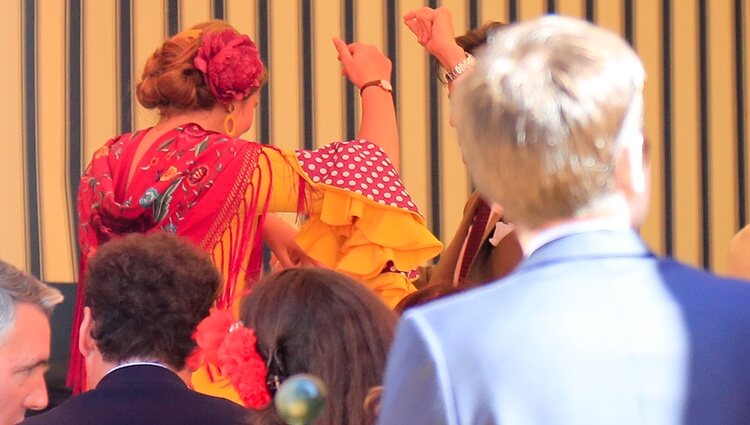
(76, 378)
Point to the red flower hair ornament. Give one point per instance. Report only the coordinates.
(230, 64)
(230, 346)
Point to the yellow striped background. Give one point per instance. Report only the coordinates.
(66, 66)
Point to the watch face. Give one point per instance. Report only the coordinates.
(386, 85)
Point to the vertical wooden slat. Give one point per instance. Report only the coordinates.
(193, 12)
(57, 257)
(218, 9)
(172, 17)
(493, 10)
(369, 27)
(628, 7)
(100, 75)
(722, 132)
(590, 10)
(264, 45)
(686, 131)
(513, 12)
(74, 110)
(412, 111)
(740, 107)
(530, 9)
(13, 217)
(551, 6)
(31, 138)
(329, 83)
(148, 35)
(705, 151)
(434, 154)
(307, 77)
(667, 128)
(125, 65)
(573, 8)
(285, 84)
(648, 39)
(473, 12)
(350, 93)
(609, 14)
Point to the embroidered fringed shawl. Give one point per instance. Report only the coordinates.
(191, 182)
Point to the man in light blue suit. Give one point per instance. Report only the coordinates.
(592, 328)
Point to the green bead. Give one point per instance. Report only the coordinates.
(300, 399)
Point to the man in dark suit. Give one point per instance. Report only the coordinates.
(592, 327)
(144, 296)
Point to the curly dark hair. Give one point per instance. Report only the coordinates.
(147, 293)
(321, 322)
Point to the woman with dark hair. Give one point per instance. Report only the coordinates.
(191, 175)
(304, 320)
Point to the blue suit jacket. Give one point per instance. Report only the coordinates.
(143, 395)
(591, 329)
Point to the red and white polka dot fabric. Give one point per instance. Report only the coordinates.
(359, 166)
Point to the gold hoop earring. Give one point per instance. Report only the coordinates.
(229, 125)
(229, 121)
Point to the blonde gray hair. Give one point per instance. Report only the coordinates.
(18, 287)
(543, 115)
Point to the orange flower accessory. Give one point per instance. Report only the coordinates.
(230, 346)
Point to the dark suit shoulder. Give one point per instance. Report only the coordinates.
(143, 405)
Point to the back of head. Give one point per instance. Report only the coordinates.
(471, 41)
(477, 37)
(147, 293)
(172, 83)
(18, 287)
(543, 116)
(321, 322)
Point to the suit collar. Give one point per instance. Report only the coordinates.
(141, 375)
(588, 245)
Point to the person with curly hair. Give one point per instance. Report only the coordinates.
(144, 296)
(191, 175)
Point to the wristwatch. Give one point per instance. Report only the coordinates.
(459, 69)
(383, 84)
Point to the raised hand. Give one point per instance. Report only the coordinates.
(362, 63)
(434, 31)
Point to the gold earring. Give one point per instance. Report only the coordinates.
(229, 125)
(229, 121)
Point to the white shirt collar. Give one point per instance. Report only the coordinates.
(135, 363)
(543, 237)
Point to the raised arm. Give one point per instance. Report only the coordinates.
(434, 31)
(366, 66)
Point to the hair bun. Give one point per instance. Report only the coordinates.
(170, 81)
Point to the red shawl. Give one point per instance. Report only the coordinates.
(191, 182)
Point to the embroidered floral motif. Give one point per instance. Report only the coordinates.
(197, 174)
(169, 174)
(148, 198)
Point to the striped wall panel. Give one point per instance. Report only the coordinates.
(74, 64)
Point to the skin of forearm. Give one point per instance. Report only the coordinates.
(379, 122)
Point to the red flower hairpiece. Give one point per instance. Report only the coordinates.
(230, 64)
(230, 346)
